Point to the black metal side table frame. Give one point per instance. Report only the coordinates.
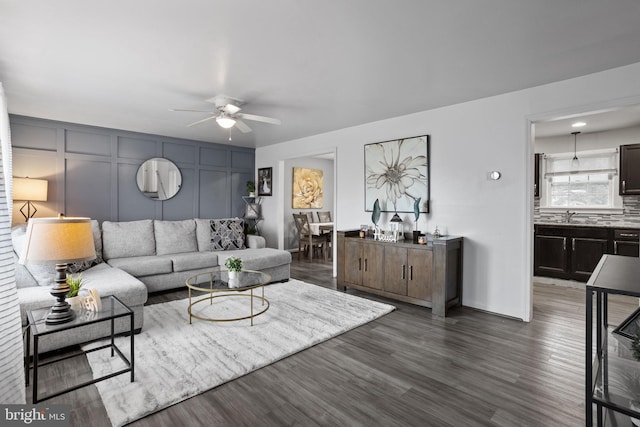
(613, 275)
(112, 309)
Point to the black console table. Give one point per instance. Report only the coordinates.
(612, 374)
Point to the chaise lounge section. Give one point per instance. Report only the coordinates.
(138, 257)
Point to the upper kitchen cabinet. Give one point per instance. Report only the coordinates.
(536, 175)
(629, 169)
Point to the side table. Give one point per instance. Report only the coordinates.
(610, 373)
(112, 309)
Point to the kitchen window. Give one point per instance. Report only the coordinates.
(592, 185)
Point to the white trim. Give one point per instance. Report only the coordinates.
(586, 153)
(615, 200)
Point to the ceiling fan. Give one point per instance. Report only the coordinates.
(227, 114)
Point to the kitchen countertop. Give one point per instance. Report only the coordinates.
(577, 224)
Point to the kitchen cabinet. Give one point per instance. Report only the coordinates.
(536, 174)
(629, 169)
(427, 275)
(626, 242)
(569, 252)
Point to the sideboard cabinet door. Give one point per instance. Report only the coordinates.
(420, 276)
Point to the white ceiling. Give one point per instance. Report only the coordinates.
(597, 121)
(316, 65)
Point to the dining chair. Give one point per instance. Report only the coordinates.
(308, 241)
(324, 216)
(309, 216)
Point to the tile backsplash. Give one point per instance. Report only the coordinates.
(629, 218)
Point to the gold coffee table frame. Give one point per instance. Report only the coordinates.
(217, 282)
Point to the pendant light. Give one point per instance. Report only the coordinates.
(575, 162)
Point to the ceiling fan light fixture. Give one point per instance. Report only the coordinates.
(225, 122)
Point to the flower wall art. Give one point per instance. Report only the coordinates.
(307, 188)
(397, 174)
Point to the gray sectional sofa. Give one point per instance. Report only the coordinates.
(137, 257)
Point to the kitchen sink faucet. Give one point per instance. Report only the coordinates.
(569, 215)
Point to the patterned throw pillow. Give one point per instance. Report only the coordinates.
(227, 234)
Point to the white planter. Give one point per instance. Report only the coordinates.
(233, 275)
(75, 302)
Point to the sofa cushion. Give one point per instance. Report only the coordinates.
(24, 279)
(203, 234)
(194, 261)
(257, 259)
(143, 265)
(227, 234)
(174, 237)
(108, 281)
(128, 239)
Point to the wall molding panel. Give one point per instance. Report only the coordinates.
(91, 171)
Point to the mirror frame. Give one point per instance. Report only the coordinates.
(158, 187)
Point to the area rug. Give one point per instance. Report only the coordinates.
(175, 360)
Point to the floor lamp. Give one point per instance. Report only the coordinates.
(60, 240)
(29, 190)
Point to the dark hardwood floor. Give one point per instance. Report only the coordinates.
(404, 369)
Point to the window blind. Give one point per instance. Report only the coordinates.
(12, 390)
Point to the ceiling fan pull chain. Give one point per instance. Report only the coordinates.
(229, 134)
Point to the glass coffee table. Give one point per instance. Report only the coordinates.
(218, 284)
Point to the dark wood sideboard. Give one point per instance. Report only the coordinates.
(427, 275)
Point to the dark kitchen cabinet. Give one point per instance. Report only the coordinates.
(585, 255)
(569, 252)
(626, 242)
(536, 175)
(550, 257)
(629, 169)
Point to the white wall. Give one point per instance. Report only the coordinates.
(467, 141)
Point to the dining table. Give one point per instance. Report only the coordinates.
(318, 228)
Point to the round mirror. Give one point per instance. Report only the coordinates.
(159, 179)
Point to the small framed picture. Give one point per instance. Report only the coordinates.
(264, 182)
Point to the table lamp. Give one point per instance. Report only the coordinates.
(29, 190)
(60, 240)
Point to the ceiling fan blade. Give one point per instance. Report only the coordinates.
(201, 121)
(193, 111)
(242, 126)
(258, 118)
(231, 109)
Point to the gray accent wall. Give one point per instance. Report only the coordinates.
(91, 172)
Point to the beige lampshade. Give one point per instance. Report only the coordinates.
(62, 240)
(34, 190)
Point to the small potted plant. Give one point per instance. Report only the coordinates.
(75, 283)
(251, 188)
(234, 265)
